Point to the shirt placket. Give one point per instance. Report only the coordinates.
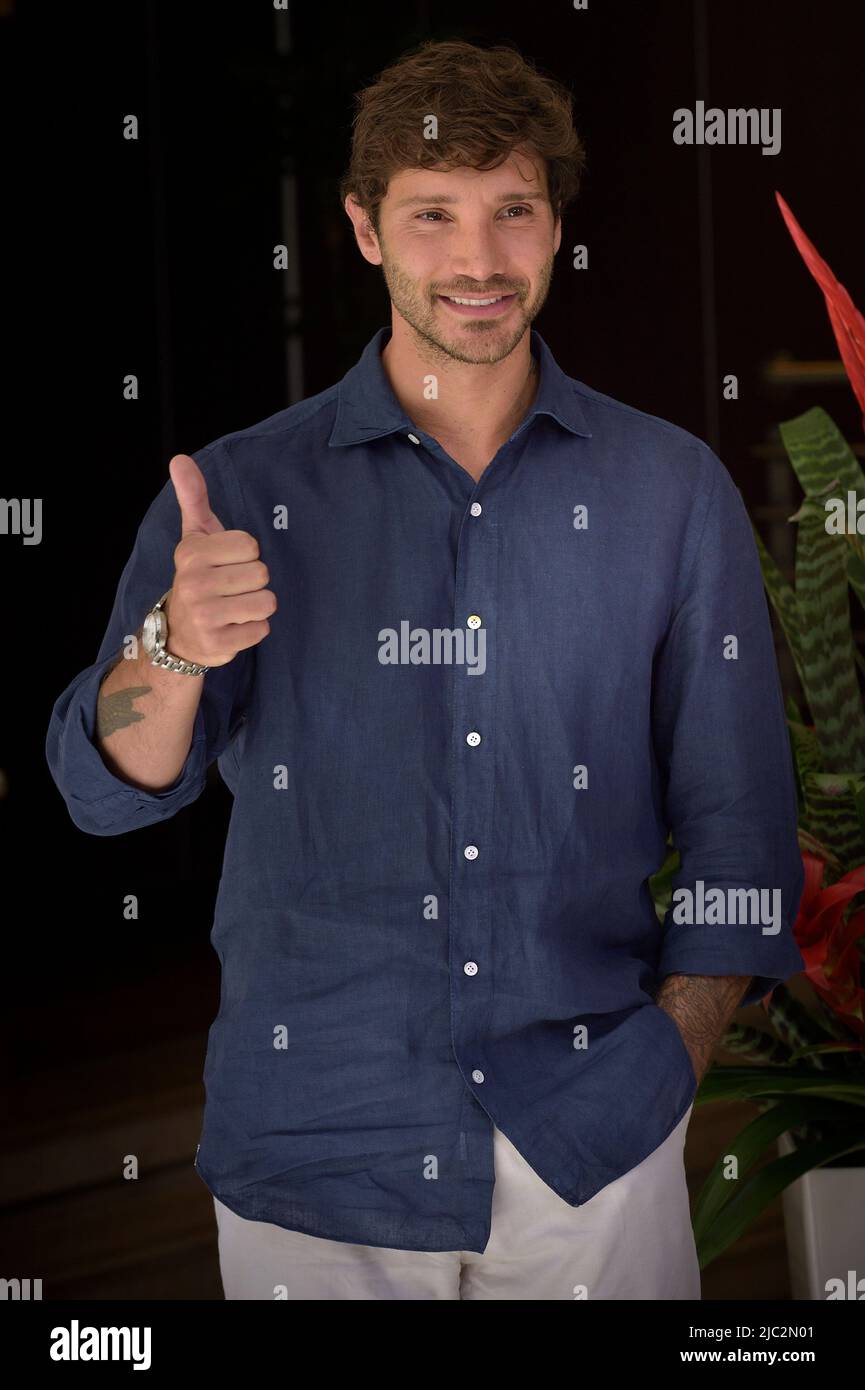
(473, 751)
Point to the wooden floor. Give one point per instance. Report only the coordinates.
(129, 1083)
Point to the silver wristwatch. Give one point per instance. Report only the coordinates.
(153, 638)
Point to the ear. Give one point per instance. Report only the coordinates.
(363, 231)
(557, 235)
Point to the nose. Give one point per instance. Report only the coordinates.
(476, 254)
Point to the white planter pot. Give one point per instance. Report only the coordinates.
(824, 1220)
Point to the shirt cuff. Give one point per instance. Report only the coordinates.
(102, 803)
(732, 949)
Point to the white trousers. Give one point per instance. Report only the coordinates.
(632, 1240)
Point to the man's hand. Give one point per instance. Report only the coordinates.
(217, 605)
(701, 1006)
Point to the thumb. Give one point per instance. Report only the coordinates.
(190, 488)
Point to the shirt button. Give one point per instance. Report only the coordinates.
(473, 739)
(470, 967)
(476, 509)
(477, 1075)
(414, 439)
(473, 620)
(471, 851)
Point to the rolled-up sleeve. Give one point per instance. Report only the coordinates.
(723, 749)
(99, 802)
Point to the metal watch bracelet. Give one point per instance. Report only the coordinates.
(163, 657)
(176, 663)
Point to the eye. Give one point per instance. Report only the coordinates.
(515, 208)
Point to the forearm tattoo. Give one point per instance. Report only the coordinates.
(115, 711)
(702, 1007)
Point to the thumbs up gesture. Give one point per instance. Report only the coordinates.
(218, 604)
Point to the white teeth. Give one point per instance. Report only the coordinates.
(473, 302)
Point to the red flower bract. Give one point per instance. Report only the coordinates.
(848, 324)
(828, 941)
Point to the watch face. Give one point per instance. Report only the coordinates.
(148, 634)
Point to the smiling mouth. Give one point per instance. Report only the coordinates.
(478, 306)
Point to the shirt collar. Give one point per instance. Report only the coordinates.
(367, 407)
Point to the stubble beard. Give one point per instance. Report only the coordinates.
(487, 341)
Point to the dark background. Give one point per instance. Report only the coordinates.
(154, 257)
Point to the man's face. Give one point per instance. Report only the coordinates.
(468, 234)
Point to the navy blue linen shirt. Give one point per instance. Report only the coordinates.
(433, 915)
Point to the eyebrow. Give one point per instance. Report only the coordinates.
(534, 193)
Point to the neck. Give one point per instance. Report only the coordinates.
(478, 404)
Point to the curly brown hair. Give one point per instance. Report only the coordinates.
(488, 101)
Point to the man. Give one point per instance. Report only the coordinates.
(468, 639)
